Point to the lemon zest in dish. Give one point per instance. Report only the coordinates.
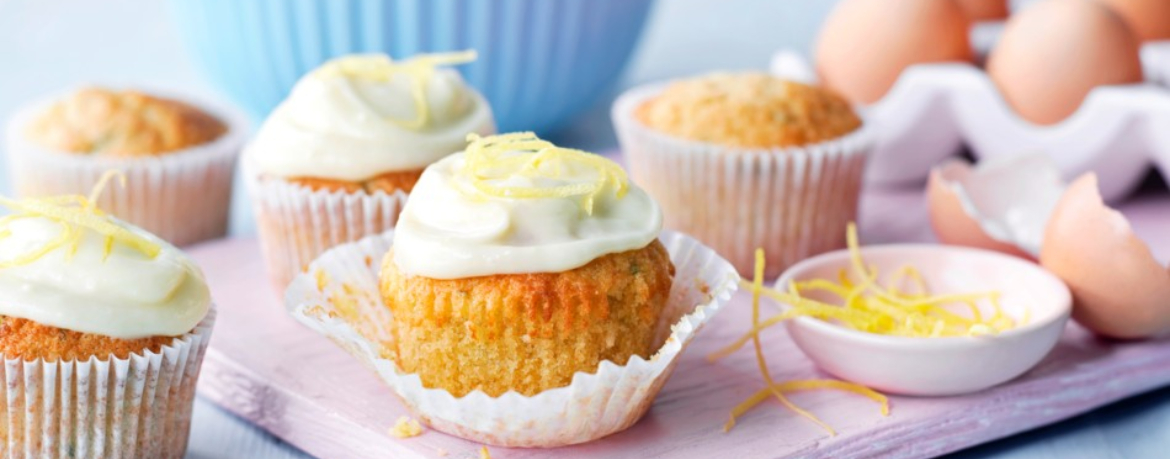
(778, 390)
(891, 310)
(73, 213)
(490, 159)
(381, 68)
(405, 427)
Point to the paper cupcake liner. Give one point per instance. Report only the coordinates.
(297, 224)
(793, 202)
(183, 197)
(350, 312)
(119, 408)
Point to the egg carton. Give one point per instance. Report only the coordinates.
(933, 109)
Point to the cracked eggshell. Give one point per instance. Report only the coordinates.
(1001, 205)
(1119, 289)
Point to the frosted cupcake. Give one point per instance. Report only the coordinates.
(747, 160)
(179, 157)
(518, 264)
(103, 327)
(334, 162)
(526, 298)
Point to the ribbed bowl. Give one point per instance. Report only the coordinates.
(540, 61)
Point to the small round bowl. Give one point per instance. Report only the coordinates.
(947, 365)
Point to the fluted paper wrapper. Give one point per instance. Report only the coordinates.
(350, 312)
(297, 224)
(794, 202)
(183, 196)
(138, 407)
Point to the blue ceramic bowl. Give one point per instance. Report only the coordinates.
(540, 61)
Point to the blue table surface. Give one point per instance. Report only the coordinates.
(49, 45)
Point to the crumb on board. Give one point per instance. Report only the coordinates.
(441, 452)
(369, 262)
(406, 427)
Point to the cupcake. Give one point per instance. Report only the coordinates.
(103, 327)
(518, 264)
(747, 160)
(335, 161)
(526, 297)
(179, 157)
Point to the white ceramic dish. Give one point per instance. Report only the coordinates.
(932, 109)
(938, 366)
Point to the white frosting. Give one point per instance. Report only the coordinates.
(342, 126)
(126, 295)
(447, 231)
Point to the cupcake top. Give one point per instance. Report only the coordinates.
(122, 123)
(513, 204)
(751, 110)
(64, 263)
(360, 116)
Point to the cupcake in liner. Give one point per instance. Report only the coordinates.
(297, 224)
(182, 196)
(335, 161)
(339, 298)
(139, 406)
(794, 202)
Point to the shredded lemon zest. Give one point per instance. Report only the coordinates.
(484, 453)
(73, 213)
(904, 306)
(381, 68)
(488, 160)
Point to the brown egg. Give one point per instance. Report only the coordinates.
(1054, 52)
(984, 10)
(1119, 289)
(865, 44)
(1150, 19)
(951, 221)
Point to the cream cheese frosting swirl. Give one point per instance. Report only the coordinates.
(65, 264)
(360, 116)
(515, 204)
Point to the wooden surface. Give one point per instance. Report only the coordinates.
(282, 377)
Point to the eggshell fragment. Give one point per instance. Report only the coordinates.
(1054, 52)
(865, 44)
(984, 10)
(1150, 19)
(1001, 205)
(1119, 289)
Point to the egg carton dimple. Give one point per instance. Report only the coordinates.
(933, 109)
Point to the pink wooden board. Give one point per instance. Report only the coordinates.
(284, 378)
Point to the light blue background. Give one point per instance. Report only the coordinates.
(47, 45)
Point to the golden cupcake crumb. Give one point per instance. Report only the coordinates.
(28, 340)
(752, 110)
(526, 332)
(387, 183)
(123, 123)
(406, 427)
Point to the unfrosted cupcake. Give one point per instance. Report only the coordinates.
(334, 162)
(103, 327)
(747, 160)
(517, 264)
(179, 157)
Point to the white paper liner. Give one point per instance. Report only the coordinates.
(119, 408)
(591, 407)
(794, 202)
(183, 197)
(297, 224)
